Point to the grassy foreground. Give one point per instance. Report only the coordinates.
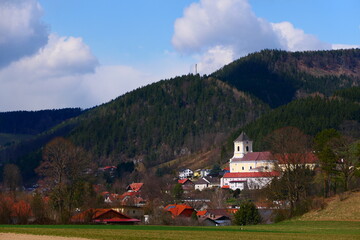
(287, 230)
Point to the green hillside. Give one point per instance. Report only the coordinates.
(167, 119)
(311, 115)
(34, 122)
(174, 118)
(278, 77)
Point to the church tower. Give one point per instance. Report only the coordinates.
(242, 145)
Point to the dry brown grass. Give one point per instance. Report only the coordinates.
(344, 207)
(193, 161)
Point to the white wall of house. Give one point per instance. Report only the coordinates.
(251, 182)
(186, 173)
(251, 166)
(200, 186)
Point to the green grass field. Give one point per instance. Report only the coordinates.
(286, 230)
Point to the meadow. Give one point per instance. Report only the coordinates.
(286, 230)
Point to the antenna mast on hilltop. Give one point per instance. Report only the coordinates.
(195, 68)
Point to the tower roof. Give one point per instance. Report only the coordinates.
(242, 137)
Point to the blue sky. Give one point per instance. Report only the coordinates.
(63, 53)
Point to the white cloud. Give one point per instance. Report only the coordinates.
(62, 56)
(25, 91)
(344, 46)
(64, 73)
(228, 22)
(222, 31)
(21, 30)
(293, 39)
(215, 58)
(39, 70)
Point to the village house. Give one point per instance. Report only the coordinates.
(134, 187)
(201, 173)
(288, 161)
(103, 216)
(186, 184)
(179, 210)
(131, 211)
(207, 182)
(214, 217)
(186, 173)
(111, 170)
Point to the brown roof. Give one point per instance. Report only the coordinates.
(102, 215)
(219, 212)
(242, 137)
(201, 181)
(251, 174)
(255, 156)
(297, 158)
(208, 180)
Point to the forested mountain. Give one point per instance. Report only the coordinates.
(34, 122)
(278, 77)
(183, 115)
(166, 119)
(311, 115)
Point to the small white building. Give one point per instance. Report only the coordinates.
(185, 173)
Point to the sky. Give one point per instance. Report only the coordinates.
(79, 53)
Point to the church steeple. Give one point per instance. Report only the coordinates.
(242, 145)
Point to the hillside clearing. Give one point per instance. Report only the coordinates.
(344, 207)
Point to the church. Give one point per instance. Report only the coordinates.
(248, 169)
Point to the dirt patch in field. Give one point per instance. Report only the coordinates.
(15, 236)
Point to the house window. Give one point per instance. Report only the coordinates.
(250, 167)
(247, 148)
(242, 168)
(238, 149)
(266, 168)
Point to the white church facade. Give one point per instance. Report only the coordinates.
(248, 169)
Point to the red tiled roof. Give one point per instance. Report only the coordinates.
(201, 213)
(98, 214)
(183, 181)
(129, 194)
(257, 156)
(297, 158)
(232, 210)
(251, 174)
(110, 167)
(136, 187)
(179, 209)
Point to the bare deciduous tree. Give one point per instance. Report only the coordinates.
(291, 148)
(12, 178)
(64, 168)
